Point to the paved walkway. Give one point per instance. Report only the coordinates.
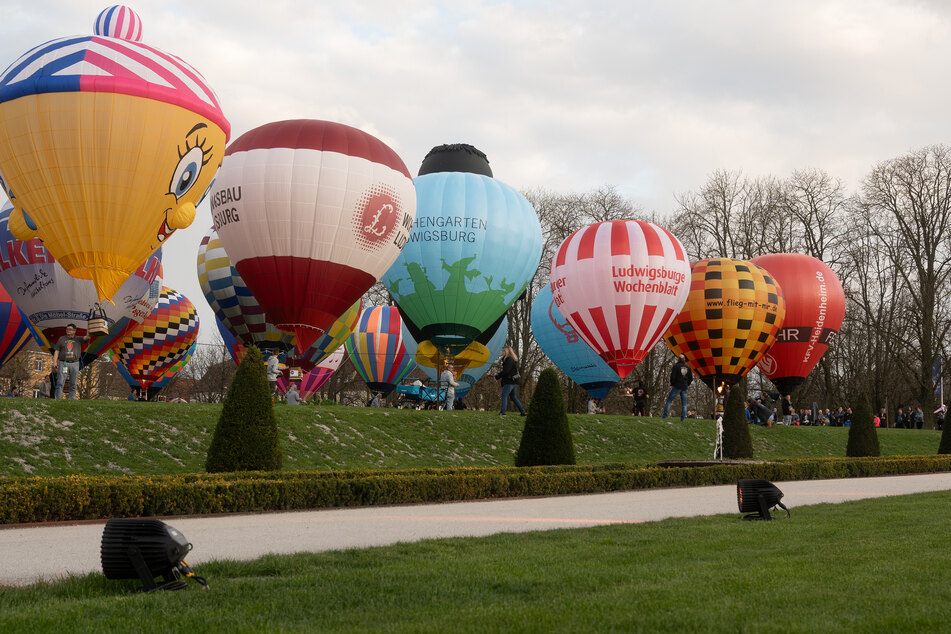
(49, 552)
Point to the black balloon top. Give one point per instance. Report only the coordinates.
(455, 157)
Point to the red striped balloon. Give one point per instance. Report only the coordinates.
(620, 284)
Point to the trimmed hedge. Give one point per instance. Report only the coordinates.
(71, 498)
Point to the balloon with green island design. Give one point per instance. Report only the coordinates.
(476, 243)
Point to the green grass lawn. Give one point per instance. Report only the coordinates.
(107, 437)
(869, 566)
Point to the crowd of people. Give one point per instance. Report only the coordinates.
(766, 408)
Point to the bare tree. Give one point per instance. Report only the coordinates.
(906, 203)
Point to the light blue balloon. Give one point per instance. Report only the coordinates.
(475, 245)
(567, 349)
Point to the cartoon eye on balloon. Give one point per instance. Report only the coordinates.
(189, 164)
(129, 176)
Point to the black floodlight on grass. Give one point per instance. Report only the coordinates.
(145, 549)
(757, 497)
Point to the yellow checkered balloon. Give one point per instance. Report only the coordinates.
(730, 320)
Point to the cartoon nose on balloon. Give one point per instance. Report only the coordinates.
(182, 217)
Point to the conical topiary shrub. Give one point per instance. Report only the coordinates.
(945, 445)
(546, 438)
(737, 441)
(863, 437)
(246, 436)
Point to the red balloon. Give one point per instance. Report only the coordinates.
(815, 308)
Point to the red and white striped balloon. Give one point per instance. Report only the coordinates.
(620, 284)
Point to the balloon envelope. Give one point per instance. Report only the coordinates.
(376, 349)
(815, 308)
(475, 245)
(106, 147)
(730, 320)
(160, 382)
(315, 378)
(234, 305)
(312, 213)
(567, 350)
(161, 341)
(15, 331)
(51, 298)
(620, 284)
(238, 311)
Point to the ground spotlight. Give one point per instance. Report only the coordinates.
(145, 549)
(757, 497)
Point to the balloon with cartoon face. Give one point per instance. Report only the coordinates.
(106, 147)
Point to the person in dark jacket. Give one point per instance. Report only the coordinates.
(641, 397)
(509, 378)
(680, 380)
(759, 413)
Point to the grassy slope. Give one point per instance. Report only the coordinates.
(867, 566)
(58, 438)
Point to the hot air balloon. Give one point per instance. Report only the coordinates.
(234, 305)
(316, 377)
(567, 350)
(730, 320)
(376, 349)
(153, 388)
(475, 245)
(235, 348)
(106, 146)
(815, 308)
(239, 312)
(156, 345)
(51, 299)
(468, 371)
(311, 214)
(620, 284)
(15, 331)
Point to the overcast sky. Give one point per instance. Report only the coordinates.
(650, 97)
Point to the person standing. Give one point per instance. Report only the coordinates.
(680, 379)
(509, 379)
(66, 354)
(451, 385)
(292, 396)
(273, 371)
(787, 409)
(641, 397)
(45, 387)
